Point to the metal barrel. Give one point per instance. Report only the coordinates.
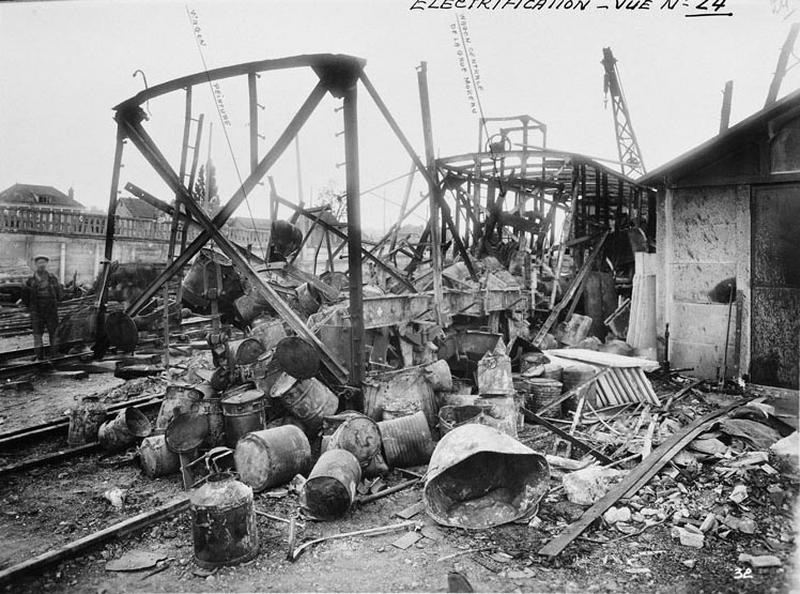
(479, 477)
(243, 413)
(211, 409)
(123, 430)
(359, 435)
(272, 457)
(224, 527)
(297, 357)
(553, 371)
(331, 487)
(541, 392)
(179, 398)
(268, 331)
(156, 459)
(400, 393)
(186, 432)
(245, 351)
(309, 400)
(407, 440)
(85, 419)
(573, 376)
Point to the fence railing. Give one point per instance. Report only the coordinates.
(47, 221)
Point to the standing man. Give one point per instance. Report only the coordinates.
(41, 294)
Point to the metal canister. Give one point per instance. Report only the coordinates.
(404, 392)
(85, 419)
(123, 430)
(359, 435)
(268, 331)
(331, 487)
(297, 357)
(223, 522)
(211, 408)
(309, 400)
(242, 413)
(272, 457)
(156, 459)
(244, 352)
(407, 440)
(179, 398)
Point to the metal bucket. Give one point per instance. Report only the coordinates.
(85, 419)
(122, 431)
(359, 435)
(272, 457)
(331, 487)
(573, 376)
(179, 398)
(407, 440)
(308, 299)
(243, 412)
(404, 392)
(244, 352)
(479, 477)
(267, 331)
(223, 522)
(297, 357)
(309, 400)
(186, 432)
(156, 459)
(250, 305)
(504, 410)
(439, 376)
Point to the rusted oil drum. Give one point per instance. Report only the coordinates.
(223, 522)
(244, 352)
(309, 400)
(359, 435)
(123, 430)
(156, 459)
(407, 440)
(297, 357)
(243, 412)
(331, 487)
(179, 398)
(85, 419)
(403, 392)
(272, 457)
(479, 477)
(572, 376)
(541, 392)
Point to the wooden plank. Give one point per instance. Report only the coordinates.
(534, 418)
(50, 458)
(605, 359)
(636, 478)
(82, 544)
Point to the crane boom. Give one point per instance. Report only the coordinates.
(630, 155)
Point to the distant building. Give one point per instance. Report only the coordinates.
(39, 197)
(134, 208)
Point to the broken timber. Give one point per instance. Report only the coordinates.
(635, 479)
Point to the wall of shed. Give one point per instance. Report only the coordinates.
(703, 234)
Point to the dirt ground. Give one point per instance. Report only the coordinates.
(51, 506)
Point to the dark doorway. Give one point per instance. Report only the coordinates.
(775, 320)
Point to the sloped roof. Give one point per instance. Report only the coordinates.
(722, 144)
(139, 209)
(30, 193)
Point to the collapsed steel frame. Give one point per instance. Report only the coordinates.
(338, 75)
(479, 183)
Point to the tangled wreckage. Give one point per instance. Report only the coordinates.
(524, 306)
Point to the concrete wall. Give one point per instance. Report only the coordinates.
(74, 255)
(703, 236)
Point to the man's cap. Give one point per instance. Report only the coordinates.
(41, 257)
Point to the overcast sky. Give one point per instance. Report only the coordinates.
(64, 65)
